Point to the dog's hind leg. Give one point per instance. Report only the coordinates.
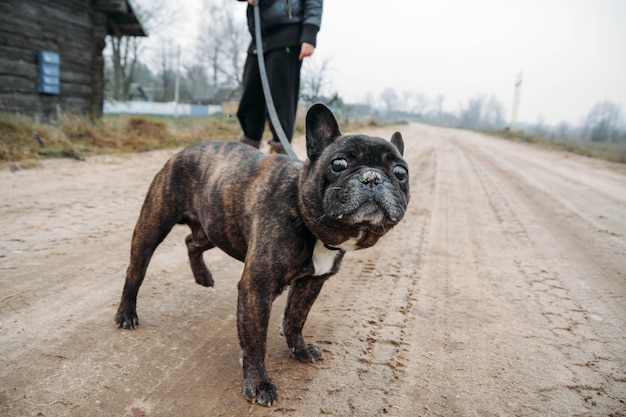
(198, 242)
(155, 222)
(144, 243)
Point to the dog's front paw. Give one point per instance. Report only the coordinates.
(262, 393)
(202, 275)
(126, 319)
(309, 354)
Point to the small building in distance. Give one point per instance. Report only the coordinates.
(51, 54)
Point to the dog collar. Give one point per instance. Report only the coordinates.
(330, 247)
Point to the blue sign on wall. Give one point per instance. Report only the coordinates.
(49, 65)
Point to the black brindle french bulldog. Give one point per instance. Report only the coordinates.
(289, 221)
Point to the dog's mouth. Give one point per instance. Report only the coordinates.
(364, 225)
(369, 214)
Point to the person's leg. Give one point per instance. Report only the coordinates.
(251, 112)
(283, 68)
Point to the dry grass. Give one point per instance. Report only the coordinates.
(609, 151)
(24, 140)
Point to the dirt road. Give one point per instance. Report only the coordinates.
(503, 293)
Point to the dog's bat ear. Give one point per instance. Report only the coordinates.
(321, 130)
(396, 140)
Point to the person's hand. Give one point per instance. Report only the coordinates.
(305, 50)
(251, 2)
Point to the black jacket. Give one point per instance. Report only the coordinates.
(286, 22)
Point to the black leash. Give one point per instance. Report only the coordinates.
(269, 103)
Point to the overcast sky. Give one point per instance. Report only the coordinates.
(572, 52)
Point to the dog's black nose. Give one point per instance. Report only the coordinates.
(371, 177)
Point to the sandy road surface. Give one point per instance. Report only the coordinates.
(503, 293)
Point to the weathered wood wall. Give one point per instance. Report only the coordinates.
(69, 27)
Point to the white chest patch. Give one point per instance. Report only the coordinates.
(323, 258)
(350, 244)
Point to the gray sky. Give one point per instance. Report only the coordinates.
(572, 52)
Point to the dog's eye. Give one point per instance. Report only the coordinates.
(400, 172)
(339, 164)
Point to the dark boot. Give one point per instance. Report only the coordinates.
(254, 143)
(276, 147)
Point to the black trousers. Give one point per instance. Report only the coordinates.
(283, 74)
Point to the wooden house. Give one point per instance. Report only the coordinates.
(51, 53)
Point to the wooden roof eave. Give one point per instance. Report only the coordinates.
(121, 18)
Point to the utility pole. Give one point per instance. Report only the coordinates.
(177, 87)
(516, 100)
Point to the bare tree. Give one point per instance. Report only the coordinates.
(406, 101)
(563, 131)
(168, 58)
(126, 50)
(412, 102)
(371, 101)
(483, 113)
(223, 43)
(124, 58)
(390, 98)
(420, 103)
(540, 129)
(314, 84)
(197, 84)
(493, 114)
(604, 122)
(472, 114)
(439, 105)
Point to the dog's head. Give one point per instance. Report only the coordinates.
(354, 188)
